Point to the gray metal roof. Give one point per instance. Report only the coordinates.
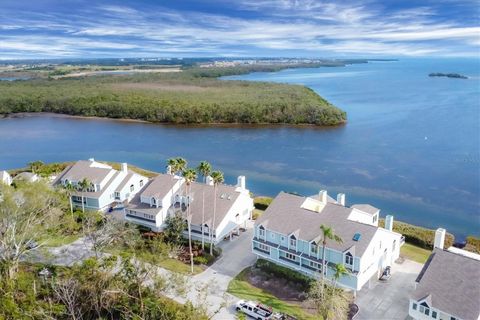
(160, 186)
(285, 215)
(451, 283)
(226, 197)
(82, 170)
(366, 208)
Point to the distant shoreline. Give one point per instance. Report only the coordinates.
(21, 115)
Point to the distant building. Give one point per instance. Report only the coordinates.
(5, 177)
(26, 176)
(167, 194)
(108, 187)
(448, 287)
(289, 234)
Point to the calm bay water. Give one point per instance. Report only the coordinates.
(411, 147)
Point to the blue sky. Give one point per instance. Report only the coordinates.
(90, 29)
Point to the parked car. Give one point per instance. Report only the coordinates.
(386, 274)
(254, 310)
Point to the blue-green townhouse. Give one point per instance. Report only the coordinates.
(289, 234)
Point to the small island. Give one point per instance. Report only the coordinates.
(448, 75)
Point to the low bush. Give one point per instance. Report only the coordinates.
(285, 273)
(200, 260)
(262, 203)
(473, 244)
(418, 236)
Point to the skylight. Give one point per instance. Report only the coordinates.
(356, 236)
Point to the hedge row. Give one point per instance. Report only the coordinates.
(285, 273)
(262, 203)
(473, 244)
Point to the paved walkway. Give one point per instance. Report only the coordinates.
(389, 300)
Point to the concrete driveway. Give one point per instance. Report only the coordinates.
(389, 300)
(236, 256)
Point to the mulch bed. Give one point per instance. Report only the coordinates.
(279, 287)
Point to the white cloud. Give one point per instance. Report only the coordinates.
(300, 25)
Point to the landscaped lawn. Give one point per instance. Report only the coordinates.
(240, 288)
(411, 252)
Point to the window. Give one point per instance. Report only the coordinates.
(394, 245)
(283, 238)
(272, 235)
(434, 314)
(421, 309)
(313, 248)
(290, 256)
(293, 242)
(261, 231)
(414, 306)
(453, 318)
(349, 259)
(263, 247)
(117, 195)
(141, 183)
(315, 265)
(132, 187)
(427, 311)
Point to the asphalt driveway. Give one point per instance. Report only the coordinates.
(389, 300)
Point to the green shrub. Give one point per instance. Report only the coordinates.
(418, 236)
(262, 203)
(285, 273)
(473, 244)
(200, 260)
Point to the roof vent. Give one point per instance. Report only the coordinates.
(229, 197)
(223, 196)
(356, 236)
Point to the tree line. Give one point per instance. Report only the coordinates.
(188, 97)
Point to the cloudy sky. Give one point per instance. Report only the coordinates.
(231, 28)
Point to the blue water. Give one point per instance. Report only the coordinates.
(411, 146)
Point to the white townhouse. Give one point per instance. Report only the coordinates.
(5, 177)
(167, 193)
(108, 187)
(289, 234)
(448, 286)
(151, 205)
(26, 177)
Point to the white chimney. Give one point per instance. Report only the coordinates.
(341, 199)
(322, 195)
(389, 223)
(124, 167)
(209, 181)
(439, 238)
(241, 182)
(91, 159)
(169, 169)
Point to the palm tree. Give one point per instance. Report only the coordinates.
(172, 163)
(181, 164)
(217, 177)
(84, 185)
(69, 189)
(327, 234)
(189, 175)
(204, 168)
(340, 270)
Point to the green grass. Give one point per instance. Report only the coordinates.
(411, 252)
(163, 262)
(240, 288)
(52, 240)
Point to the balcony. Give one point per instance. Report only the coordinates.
(139, 218)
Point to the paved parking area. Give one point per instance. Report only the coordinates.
(389, 300)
